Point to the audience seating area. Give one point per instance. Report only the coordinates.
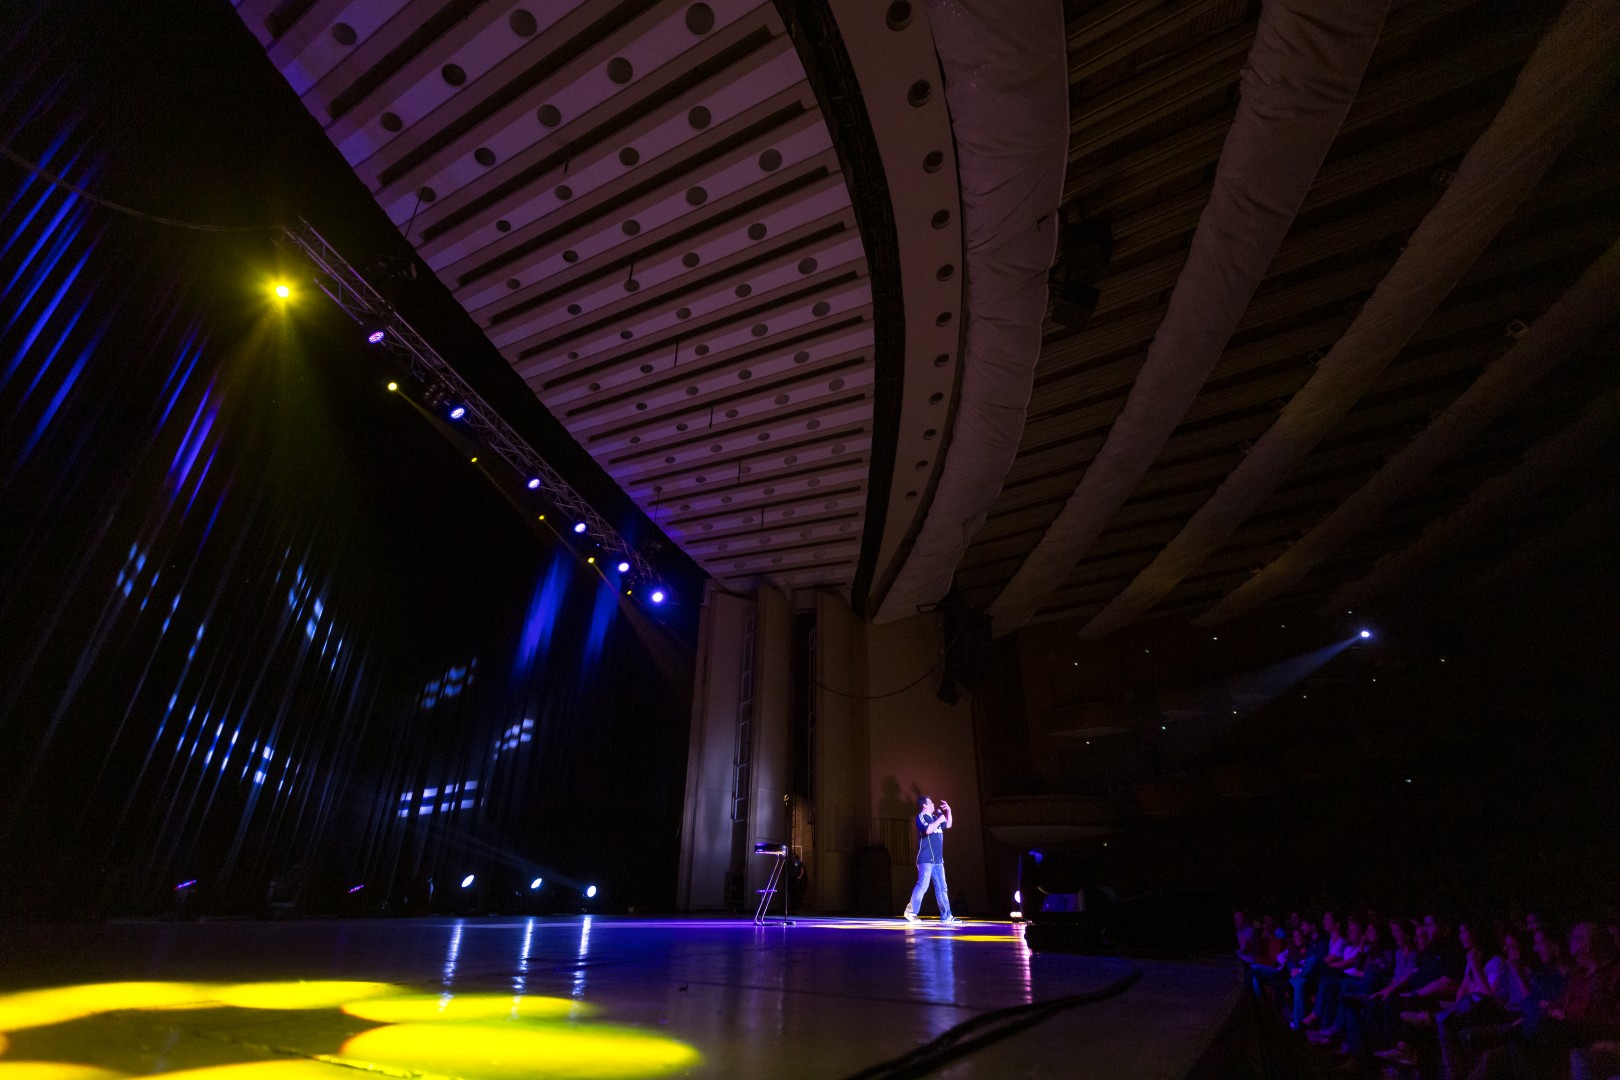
(1430, 998)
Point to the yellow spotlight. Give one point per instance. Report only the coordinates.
(503, 1051)
(300, 995)
(38, 1008)
(54, 1070)
(591, 560)
(542, 517)
(417, 1008)
(393, 386)
(282, 290)
(280, 1069)
(475, 461)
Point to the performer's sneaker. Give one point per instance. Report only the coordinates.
(911, 916)
(949, 920)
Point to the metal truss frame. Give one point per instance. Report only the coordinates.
(350, 291)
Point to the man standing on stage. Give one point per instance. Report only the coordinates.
(931, 828)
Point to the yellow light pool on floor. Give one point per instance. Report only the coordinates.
(37, 1008)
(54, 1070)
(330, 994)
(415, 1008)
(495, 1051)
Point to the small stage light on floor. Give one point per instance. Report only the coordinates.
(466, 882)
(624, 568)
(658, 596)
(376, 337)
(536, 883)
(534, 482)
(579, 526)
(590, 892)
(458, 412)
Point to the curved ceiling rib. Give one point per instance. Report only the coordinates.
(641, 205)
(1580, 313)
(1568, 70)
(1004, 78)
(1548, 461)
(1305, 66)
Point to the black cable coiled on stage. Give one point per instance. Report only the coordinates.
(986, 1028)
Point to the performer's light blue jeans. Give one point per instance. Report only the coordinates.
(935, 872)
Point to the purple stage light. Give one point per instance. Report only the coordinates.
(458, 412)
(185, 885)
(658, 596)
(590, 892)
(1366, 633)
(466, 882)
(356, 889)
(579, 526)
(534, 482)
(536, 883)
(376, 337)
(624, 568)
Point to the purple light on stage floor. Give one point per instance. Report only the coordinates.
(458, 412)
(658, 596)
(376, 337)
(579, 526)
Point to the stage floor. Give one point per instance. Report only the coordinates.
(508, 998)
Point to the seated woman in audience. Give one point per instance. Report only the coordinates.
(1333, 972)
(1372, 969)
(1304, 981)
(1490, 998)
(1580, 1025)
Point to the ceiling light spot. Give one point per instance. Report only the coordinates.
(804, 533)
(690, 259)
(574, 355)
(943, 319)
(930, 433)
(626, 335)
(770, 491)
(698, 117)
(344, 34)
(548, 115)
(701, 479)
(940, 219)
(725, 500)
(923, 464)
(708, 528)
(764, 436)
(513, 283)
(681, 426)
(631, 285)
(946, 272)
(935, 399)
(831, 504)
(701, 350)
(631, 227)
(594, 387)
(836, 384)
(812, 482)
(570, 256)
(619, 70)
(744, 375)
(503, 226)
(821, 309)
(683, 313)
(757, 231)
(801, 358)
(791, 459)
(911, 494)
(484, 156)
(669, 459)
(564, 192)
(453, 74)
(775, 560)
(788, 512)
(691, 391)
(391, 122)
(716, 448)
(744, 289)
(807, 266)
(696, 196)
(646, 369)
(700, 19)
(770, 160)
(574, 309)
(634, 439)
(933, 161)
(522, 23)
(919, 93)
(628, 156)
(838, 448)
(641, 406)
(731, 414)
(782, 399)
(942, 359)
(685, 507)
(811, 425)
(426, 194)
(899, 15)
(760, 330)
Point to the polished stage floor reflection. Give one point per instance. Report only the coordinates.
(602, 997)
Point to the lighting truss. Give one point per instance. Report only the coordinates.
(338, 279)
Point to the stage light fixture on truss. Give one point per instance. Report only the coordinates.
(466, 882)
(337, 277)
(624, 568)
(458, 412)
(590, 892)
(536, 883)
(377, 336)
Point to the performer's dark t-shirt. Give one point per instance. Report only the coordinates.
(930, 845)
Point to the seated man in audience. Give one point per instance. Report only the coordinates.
(1368, 973)
(1490, 998)
(1584, 1018)
(1332, 975)
(1304, 982)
